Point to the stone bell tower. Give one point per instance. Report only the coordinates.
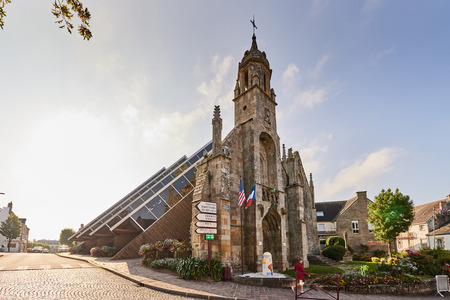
(255, 115)
(251, 152)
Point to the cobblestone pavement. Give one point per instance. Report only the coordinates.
(81, 283)
(135, 271)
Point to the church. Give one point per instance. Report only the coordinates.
(196, 199)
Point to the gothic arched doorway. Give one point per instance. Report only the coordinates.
(271, 226)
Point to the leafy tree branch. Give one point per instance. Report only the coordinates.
(64, 11)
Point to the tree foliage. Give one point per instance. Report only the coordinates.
(335, 240)
(63, 10)
(10, 229)
(390, 214)
(66, 233)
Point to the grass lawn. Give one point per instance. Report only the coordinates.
(357, 264)
(317, 269)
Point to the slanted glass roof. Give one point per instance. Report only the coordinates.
(150, 200)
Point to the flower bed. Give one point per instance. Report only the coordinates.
(427, 286)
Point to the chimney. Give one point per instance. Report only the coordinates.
(361, 195)
(10, 207)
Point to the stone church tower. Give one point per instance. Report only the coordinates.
(282, 219)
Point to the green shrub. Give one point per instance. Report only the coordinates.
(196, 268)
(77, 249)
(361, 257)
(364, 248)
(334, 241)
(379, 253)
(165, 263)
(336, 252)
(104, 251)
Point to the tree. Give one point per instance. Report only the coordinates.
(64, 11)
(10, 229)
(66, 233)
(390, 214)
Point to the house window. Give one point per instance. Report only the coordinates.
(371, 227)
(421, 227)
(440, 243)
(321, 227)
(320, 213)
(355, 227)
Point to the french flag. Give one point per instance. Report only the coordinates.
(251, 196)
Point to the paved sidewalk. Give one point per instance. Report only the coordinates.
(133, 270)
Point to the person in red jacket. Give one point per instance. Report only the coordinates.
(300, 275)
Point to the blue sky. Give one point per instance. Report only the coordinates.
(362, 90)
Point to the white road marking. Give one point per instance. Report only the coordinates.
(22, 268)
(46, 267)
(66, 266)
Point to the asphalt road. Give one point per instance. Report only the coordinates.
(48, 276)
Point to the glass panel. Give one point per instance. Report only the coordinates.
(183, 186)
(125, 212)
(181, 169)
(136, 203)
(157, 187)
(167, 180)
(170, 196)
(193, 160)
(144, 218)
(147, 195)
(190, 175)
(113, 221)
(157, 206)
(208, 147)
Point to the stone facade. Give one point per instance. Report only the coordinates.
(282, 218)
(351, 223)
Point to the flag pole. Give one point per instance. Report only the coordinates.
(242, 245)
(254, 254)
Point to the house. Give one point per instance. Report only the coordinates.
(421, 233)
(347, 219)
(19, 244)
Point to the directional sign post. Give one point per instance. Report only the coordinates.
(206, 230)
(210, 237)
(206, 217)
(206, 224)
(207, 207)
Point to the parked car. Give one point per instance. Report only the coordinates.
(63, 248)
(38, 249)
(45, 250)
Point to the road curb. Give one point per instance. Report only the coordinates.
(156, 288)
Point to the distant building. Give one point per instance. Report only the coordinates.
(18, 244)
(347, 219)
(421, 233)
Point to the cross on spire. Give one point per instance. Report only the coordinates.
(254, 25)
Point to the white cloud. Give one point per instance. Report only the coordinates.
(309, 97)
(290, 75)
(313, 96)
(316, 72)
(363, 172)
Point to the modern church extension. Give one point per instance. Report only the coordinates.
(281, 219)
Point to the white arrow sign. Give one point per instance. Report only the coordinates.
(206, 217)
(206, 224)
(207, 207)
(206, 231)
